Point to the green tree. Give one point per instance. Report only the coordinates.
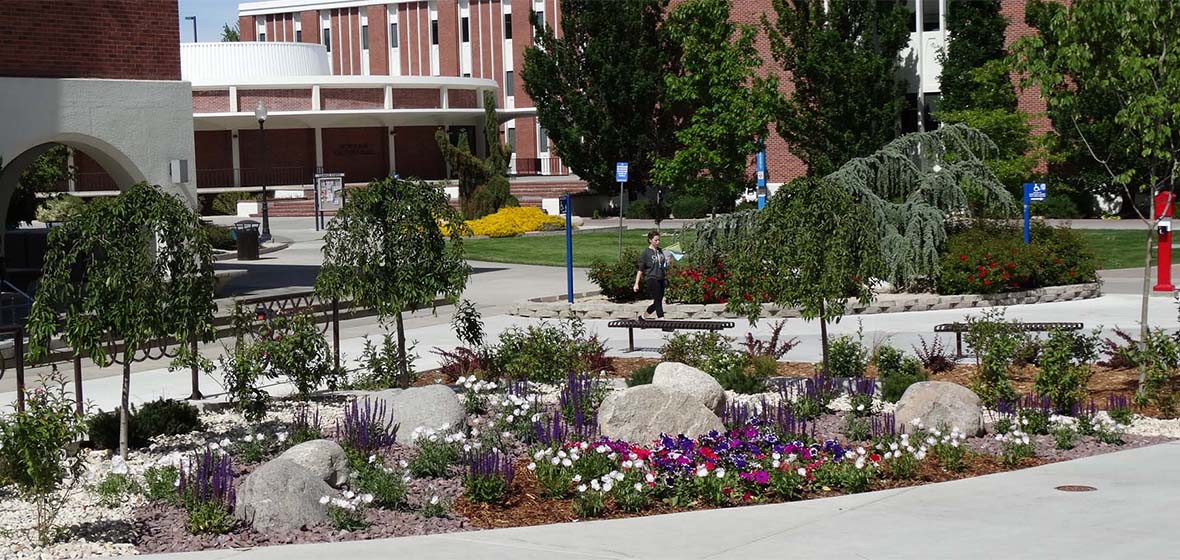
(483, 182)
(1120, 55)
(44, 174)
(721, 106)
(385, 250)
(146, 276)
(599, 87)
(229, 34)
(833, 250)
(842, 56)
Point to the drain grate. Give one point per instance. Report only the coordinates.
(1076, 488)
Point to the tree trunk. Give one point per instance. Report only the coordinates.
(823, 337)
(401, 352)
(1143, 329)
(124, 407)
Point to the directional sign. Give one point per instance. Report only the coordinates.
(1035, 192)
(621, 172)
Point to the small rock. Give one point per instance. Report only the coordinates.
(640, 414)
(687, 379)
(941, 403)
(324, 458)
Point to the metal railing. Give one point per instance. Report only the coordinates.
(255, 177)
(528, 167)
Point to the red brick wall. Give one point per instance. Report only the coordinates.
(448, 38)
(1029, 100)
(415, 99)
(378, 41)
(215, 150)
(362, 154)
(417, 154)
(461, 99)
(353, 98)
(120, 39)
(275, 99)
(89, 175)
(522, 33)
(246, 28)
(310, 22)
(215, 101)
(287, 148)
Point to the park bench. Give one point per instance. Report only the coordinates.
(960, 328)
(665, 324)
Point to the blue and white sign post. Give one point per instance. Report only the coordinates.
(760, 163)
(621, 177)
(1033, 192)
(569, 246)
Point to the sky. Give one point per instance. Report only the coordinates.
(211, 15)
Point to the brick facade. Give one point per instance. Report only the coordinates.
(462, 99)
(275, 99)
(290, 154)
(417, 154)
(115, 39)
(362, 154)
(415, 99)
(213, 101)
(335, 99)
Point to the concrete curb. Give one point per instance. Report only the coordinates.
(553, 307)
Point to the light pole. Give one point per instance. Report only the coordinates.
(260, 114)
(194, 18)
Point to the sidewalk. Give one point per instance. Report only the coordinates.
(1012, 515)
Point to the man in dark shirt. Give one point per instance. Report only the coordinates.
(651, 267)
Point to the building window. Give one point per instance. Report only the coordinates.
(538, 24)
(434, 32)
(932, 101)
(909, 114)
(298, 35)
(262, 37)
(328, 38)
(512, 138)
(393, 35)
(466, 24)
(507, 26)
(542, 140)
(467, 74)
(930, 18)
(364, 37)
(509, 83)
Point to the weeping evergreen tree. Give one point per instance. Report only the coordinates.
(483, 182)
(908, 189)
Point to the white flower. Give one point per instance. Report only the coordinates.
(638, 486)
(532, 467)
(225, 442)
(282, 437)
(566, 463)
(561, 454)
(607, 486)
(372, 459)
(434, 500)
(702, 472)
(595, 485)
(860, 408)
(555, 461)
(650, 477)
(802, 471)
(403, 464)
(367, 498)
(249, 438)
(602, 449)
(720, 472)
(628, 464)
(581, 488)
(349, 494)
(214, 446)
(259, 437)
(324, 500)
(577, 478)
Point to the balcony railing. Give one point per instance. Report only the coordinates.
(528, 167)
(255, 177)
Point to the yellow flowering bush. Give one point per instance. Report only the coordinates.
(512, 221)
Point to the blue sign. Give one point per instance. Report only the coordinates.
(1033, 192)
(621, 172)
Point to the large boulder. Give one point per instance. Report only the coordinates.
(687, 379)
(282, 496)
(432, 406)
(324, 458)
(940, 403)
(640, 414)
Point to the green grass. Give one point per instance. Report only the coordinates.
(549, 250)
(1113, 248)
(1116, 248)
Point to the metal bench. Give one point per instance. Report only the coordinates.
(960, 328)
(663, 324)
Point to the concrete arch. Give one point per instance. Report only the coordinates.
(124, 172)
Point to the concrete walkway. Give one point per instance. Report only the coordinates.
(1012, 515)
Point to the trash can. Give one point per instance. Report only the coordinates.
(246, 234)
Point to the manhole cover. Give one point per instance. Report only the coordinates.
(1076, 488)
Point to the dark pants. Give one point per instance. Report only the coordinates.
(655, 289)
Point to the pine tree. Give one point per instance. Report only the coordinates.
(976, 32)
(475, 174)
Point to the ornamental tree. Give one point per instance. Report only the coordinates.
(386, 250)
(842, 56)
(598, 86)
(146, 277)
(720, 106)
(1109, 71)
(476, 174)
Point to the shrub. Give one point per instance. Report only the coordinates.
(933, 356)
(1065, 368)
(436, 454)
(990, 258)
(513, 221)
(847, 357)
(465, 362)
(296, 349)
(160, 483)
(547, 352)
(616, 278)
(490, 198)
(995, 344)
(166, 417)
(386, 485)
(641, 376)
(689, 206)
(1161, 357)
(697, 283)
(59, 208)
(242, 368)
(896, 372)
(696, 349)
(39, 452)
(639, 210)
(103, 430)
(116, 488)
(226, 203)
(1120, 352)
(775, 348)
(219, 237)
(383, 365)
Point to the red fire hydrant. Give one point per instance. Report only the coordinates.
(1163, 220)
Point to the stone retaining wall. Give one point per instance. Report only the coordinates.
(551, 307)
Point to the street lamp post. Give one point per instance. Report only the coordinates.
(194, 18)
(260, 114)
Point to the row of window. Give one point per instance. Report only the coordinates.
(465, 27)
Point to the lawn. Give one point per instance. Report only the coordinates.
(550, 249)
(1114, 248)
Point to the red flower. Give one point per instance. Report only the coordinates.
(747, 297)
(711, 279)
(746, 497)
(874, 458)
(970, 277)
(1011, 265)
(1005, 276)
(992, 264)
(982, 272)
(986, 282)
(962, 257)
(707, 453)
(727, 490)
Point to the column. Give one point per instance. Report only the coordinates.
(237, 155)
(319, 150)
(392, 152)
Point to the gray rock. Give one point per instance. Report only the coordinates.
(432, 406)
(687, 379)
(324, 458)
(282, 496)
(640, 414)
(940, 403)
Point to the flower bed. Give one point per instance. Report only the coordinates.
(513, 221)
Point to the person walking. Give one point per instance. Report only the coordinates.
(652, 264)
